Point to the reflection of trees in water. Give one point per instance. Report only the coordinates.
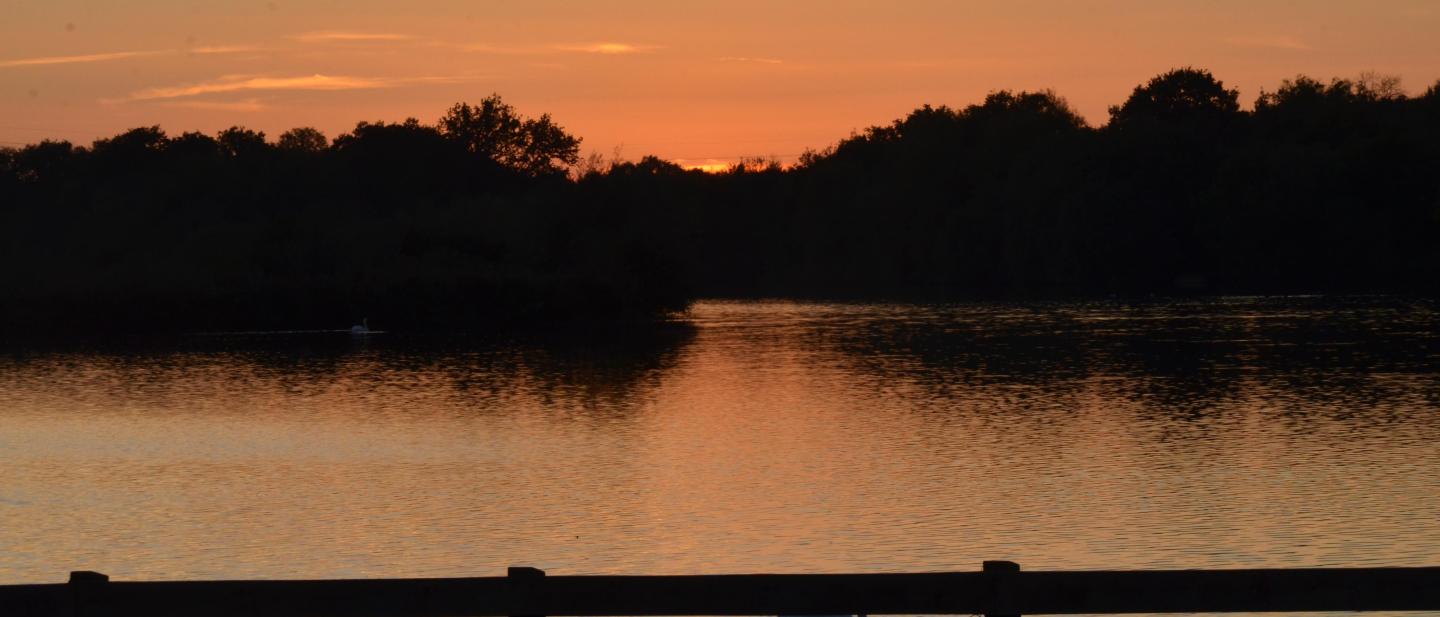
(589, 374)
(583, 374)
(1356, 357)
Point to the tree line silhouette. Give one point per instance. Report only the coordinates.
(488, 218)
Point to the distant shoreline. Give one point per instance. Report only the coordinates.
(489, 220)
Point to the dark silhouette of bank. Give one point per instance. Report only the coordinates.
(1323, 188)
(487, 219)
(467, 224)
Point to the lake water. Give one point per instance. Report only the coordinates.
(756, 437)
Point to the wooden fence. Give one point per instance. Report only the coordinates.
(1000, 589)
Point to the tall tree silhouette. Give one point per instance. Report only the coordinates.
(302, 139)
(1186, 95)
(492, 129)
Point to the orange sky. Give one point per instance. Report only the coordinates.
(693, 82)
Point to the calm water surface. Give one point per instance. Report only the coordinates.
(765, 436)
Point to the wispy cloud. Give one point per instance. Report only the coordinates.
(102, 57)
(122, 55)
(1269, 41)
(247, 105)
(607, 48)
(749, 59)
(338, 36)
(223, 49)
(240, 83)
(317, 82)
(486, 48)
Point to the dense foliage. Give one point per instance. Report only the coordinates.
(1323, 188)
(474, 222)
(469, 224)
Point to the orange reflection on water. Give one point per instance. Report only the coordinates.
(762, 437)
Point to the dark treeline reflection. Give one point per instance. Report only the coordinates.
(1184, 357)
(488, 218)
(595, 376)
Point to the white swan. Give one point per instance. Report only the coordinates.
(361, 328)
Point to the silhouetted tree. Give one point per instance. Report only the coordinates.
(8, 160)
(1380, 87)
(303, 139)
(193, 145)
(492, 129)
(1187, 95)
(48, 161)
(238, 141)
(123, 154)
(1044, 112)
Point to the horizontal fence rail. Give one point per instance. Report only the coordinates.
(999, 590)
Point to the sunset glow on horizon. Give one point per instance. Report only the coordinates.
(701, 84)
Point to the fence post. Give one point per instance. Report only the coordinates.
(84, 587)
(524, 584)
(1001, 575)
